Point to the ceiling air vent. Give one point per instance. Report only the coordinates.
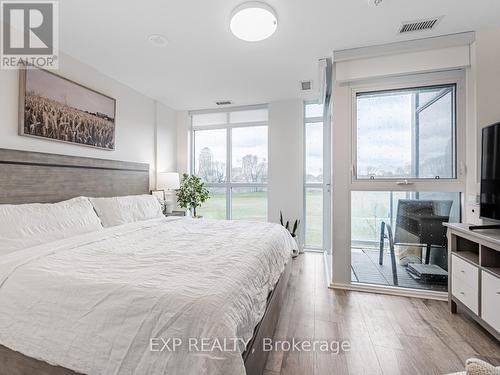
(420, 25)
(223, 102)
(306, 85)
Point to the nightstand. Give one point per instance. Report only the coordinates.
(176, 213)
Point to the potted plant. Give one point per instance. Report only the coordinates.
(192, 193)
(293, 231)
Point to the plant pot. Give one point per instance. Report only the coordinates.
(190, 214)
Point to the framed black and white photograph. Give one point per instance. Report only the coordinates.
(58, 109)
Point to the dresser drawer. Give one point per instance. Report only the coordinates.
(465, 283)
(490, 300)
(466, 294)
(464, 271)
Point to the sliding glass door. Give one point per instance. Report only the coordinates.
(406, 184)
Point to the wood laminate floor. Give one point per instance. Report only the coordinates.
(365, 269)
(387, 334)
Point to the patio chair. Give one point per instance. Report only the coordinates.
(419, 223)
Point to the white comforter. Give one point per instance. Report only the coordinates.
(93, 303)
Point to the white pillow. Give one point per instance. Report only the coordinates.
(27, 225)
(129, 209)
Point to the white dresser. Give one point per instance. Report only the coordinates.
(474, 274)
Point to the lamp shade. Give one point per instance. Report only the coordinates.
(168, 181)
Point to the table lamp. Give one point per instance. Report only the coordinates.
(168, 182)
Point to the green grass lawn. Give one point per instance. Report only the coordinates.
(248, 205)
(215, 207)
(314, 218)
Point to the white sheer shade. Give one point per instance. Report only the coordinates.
(168, 181)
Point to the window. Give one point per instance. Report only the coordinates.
(249, 154)
(407, 133)
(230, 156)
(249, 203)
(210, 158)
(313, 178)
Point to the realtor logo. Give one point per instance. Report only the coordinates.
(29, 34)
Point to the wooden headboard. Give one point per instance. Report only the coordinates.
(33, 177)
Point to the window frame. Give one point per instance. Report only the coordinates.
(455, 78)
(324, 185)
(418, 110)
(228, 185)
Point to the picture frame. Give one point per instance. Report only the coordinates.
(55, 108)
(159, 194)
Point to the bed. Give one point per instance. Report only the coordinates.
(113, 301)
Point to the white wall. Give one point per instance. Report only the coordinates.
(183, 141)
(471, 134)
(135, 120)
(341, 178)
(483, 108)
(487, 55)
(285, 186)
(166, 139)
(485, 79)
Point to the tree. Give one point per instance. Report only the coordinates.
(210, 170)
(252, 170)
(205, 164)
(219, 172)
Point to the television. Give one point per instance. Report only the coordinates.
(490, 174)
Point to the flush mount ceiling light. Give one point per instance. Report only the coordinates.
(157, 40)
(253, 21)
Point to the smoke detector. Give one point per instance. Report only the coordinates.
(419, 25)
(157, 40)
(306, 85)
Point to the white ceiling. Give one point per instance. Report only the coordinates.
(204, 62)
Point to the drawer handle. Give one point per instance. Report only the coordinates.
(462, 293)
(462, 271)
